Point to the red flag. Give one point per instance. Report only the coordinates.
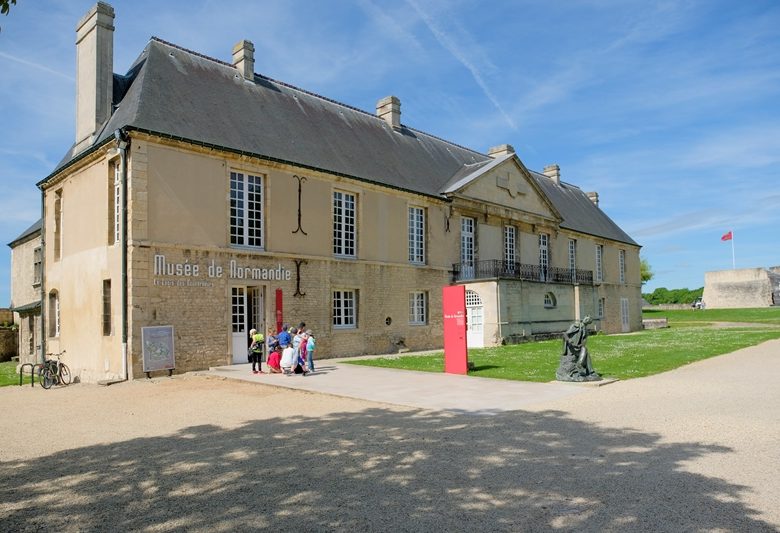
(728, 236)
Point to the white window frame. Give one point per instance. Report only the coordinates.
(344, 224)
(418, 308)
(246, 210)
(345, 308)
(573, 259)
(416, 235)
(549, 300)
(37, 266)
(599, 263)
(622, 265)
(468, 227)
(117, 203)
(510, 247)
(602, 306)
(54, 310)
(544, 256)
(58, 215)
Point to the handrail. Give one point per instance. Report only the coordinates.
(496, 268)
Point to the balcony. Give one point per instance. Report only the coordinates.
(495, 268)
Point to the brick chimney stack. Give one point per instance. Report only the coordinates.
(244, 58)
(501, 149)
(94, 72)
(553, 172)
(594, 197)
(389, 109)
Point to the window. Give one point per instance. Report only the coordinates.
(467, 225)
(37, 265)
(549, 300)
(602, 306)
(345, 309)
(30, 335)
(57, 225)
(344, 224)
(599, 262)
(54, 314)
(106, 307)
(573, 259)
(544, 256)
(246, 210)
(114, 203)
(418, 308)
(622, 265)
(510, 248)
(416, 235)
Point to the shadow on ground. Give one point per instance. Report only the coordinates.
(378, 470)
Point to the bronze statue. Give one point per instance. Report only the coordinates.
(575, 362)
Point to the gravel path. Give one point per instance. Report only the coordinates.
(695, 449)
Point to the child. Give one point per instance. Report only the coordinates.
(310, 345)
(288, 362)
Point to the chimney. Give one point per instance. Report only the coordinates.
(553, 172)
(94, 72)
(389, 109)
(501, 149)
(244, 59)
(593, 197)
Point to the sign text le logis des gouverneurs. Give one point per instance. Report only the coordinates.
(193, 273)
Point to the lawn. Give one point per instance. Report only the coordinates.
(765, 315)
(622, 356)
(8, 375)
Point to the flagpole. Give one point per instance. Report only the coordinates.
(733, 261)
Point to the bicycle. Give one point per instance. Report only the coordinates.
(54, 371)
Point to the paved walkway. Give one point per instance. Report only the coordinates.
(425, 390)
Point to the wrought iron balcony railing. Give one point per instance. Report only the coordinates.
(495, 268)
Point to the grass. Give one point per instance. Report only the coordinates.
(8, 375)
(622, 356)
(765, 315)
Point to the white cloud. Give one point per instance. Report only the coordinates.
(462, 54)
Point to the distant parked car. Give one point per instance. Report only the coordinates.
(698, 303)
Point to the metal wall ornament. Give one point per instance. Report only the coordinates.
(300, 179)
(298, 263)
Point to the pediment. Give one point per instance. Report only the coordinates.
(507, 184)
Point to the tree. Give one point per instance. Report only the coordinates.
(5, 6)
(645, 271)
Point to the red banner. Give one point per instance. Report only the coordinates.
(279, 313)
(455, 348)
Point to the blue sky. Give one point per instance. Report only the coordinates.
(669, 110)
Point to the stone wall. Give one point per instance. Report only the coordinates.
(742, 288)
(6, 316)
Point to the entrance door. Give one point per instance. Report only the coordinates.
(240, 331)
(624, 314)
(475, 337)
(247, 310)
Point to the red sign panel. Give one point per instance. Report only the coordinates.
(455, 348)
(279, 314)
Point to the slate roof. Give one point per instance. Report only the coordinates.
(33, 230)
(178, 93)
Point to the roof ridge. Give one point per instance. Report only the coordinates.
(311, 93)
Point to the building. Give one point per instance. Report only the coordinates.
(742, 288)
(26, 272)
(203, 196)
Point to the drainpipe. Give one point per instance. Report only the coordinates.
(499, 310)
(43, 277)
(123, 142)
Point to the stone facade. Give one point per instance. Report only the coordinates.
(25, 294)
(151, 229)
(742, 288)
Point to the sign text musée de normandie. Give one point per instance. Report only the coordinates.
(193, 275)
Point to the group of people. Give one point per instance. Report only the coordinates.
(290, 350)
